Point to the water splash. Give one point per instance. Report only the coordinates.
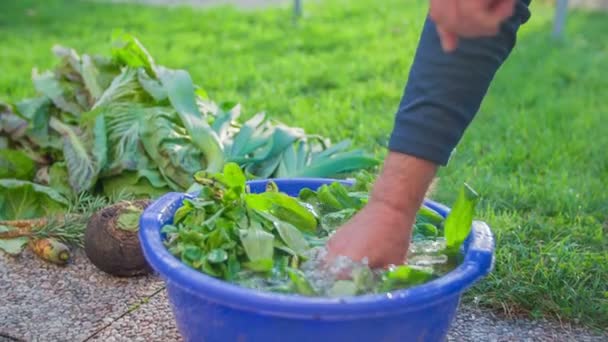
(324, 277)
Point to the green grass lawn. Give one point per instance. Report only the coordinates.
(536, 152)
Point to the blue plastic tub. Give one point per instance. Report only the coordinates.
(208, 309)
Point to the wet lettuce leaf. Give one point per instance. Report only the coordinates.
(404, 276)
(259, 246)
(285, 208)
(459, 221)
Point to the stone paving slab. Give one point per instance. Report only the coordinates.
(44, 302)
(151, 321)
(474, 325)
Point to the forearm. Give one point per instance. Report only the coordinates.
(443, 94)
(444, 90)
(403, 183)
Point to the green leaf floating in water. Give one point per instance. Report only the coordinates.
(460, 219)
(430, 216)
(259, 246)
(284, 207)
(217, 256)
(424, 230)
(302, 286)
(343, 288)
(404, 276)
(292, 237)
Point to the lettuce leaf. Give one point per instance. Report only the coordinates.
(16, 164)
(20, 200)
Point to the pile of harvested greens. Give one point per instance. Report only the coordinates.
(273, 242)
(122, 123)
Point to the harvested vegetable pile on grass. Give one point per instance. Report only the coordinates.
(271, 241)
(122, 123)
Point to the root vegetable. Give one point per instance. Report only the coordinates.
(51, 250)
(112, 241)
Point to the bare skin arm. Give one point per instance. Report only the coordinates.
(382, 230)
(461, 47)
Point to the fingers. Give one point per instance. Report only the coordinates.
(445, 13)
(449, 40)
(503, 8)
(476, 19)
(469, 18)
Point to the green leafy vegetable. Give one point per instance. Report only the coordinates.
(180, 91)
(342, 288)
(292, 237)
(16, 164)
(267, 240)
(25, 200)
(108, 116)
(83, 166)
(90, 76)
(37, 112)
(217, 256)
(283, 207)
(170, 148)
(425, 230)
(404, 276)
(141, 184)
(13, 246)
(429, 215)
(300, 283)
(460, 219)
(49, 86)
(58, 173)
(128, 50)
(258, 244)
(124, 87)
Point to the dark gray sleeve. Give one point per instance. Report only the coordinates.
(444, 90)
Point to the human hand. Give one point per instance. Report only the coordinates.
(381, 231)
(468, 19)
(377, 232)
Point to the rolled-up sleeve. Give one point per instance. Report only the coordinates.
(444, 90)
